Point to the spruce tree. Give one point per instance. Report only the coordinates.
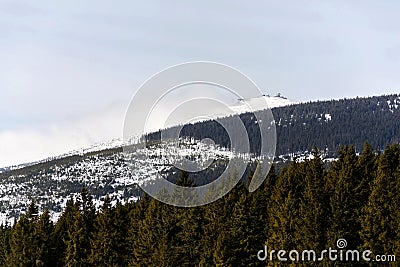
(5, 232)
(121, 223)
(215, 216)
(59, 237)
(284, 208)
(21, 251)
(23, 244)
(78, 247)
(343, 182)
(312, 221)
(151, 246)
(42, 239)
(381, 214)
(78, 237)
(367, 165)
(244, 234)
(137, 213)
(85, 202)
(397, 212)
(189, 226)
(103, 237)
(108, 242)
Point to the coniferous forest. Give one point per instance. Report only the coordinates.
(306, 205)
(322, 124)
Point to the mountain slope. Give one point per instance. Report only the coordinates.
(324, 124)
(300, 127)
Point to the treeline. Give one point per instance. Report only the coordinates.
(305, 206)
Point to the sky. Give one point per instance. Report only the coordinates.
(68, 69)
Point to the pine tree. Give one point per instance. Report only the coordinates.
(121, 222)
(78, 236)
(102, 240)
(267, 189)
(217, 216)
(42, 234)
(59, 237)
(33, 211)
(397, 213)
(108, 242)
(381, 214)
(235, 241)
(23, 245)
(185, 226)
(367, 165)
(21, 253)
(152, 244)
(78, 246)
(244, 234)
(343, 182)
(5, 232)
(312, 221)
(185, 195)
(284, 207)
(87, 208)
(137, 213)
(188, 245)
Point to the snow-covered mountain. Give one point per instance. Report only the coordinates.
(258, 103)
(240, 106)
(103, 172)
(104, 169)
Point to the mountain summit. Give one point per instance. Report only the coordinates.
(258, 103)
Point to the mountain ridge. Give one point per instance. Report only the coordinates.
(300, 127)
(237, 108)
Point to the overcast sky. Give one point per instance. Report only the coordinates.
(68, 69)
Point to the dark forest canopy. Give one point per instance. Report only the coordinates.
(324, 124)
(304, 206)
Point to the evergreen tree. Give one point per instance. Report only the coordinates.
(312, 221)
(137, 213)
(23, 245)
(188, 223)
(102, 240)
(152, 244)
(397, 212)
(5, 232)
(343, 182)
(241, 237)
(42, 234)
(59, 237)
(87, 207)
(367, 165)
(183, 195)
(188, 246)
(268, 188)
(244, 234)
(381, 214)
(122, 226)
(78, 247)
(33, 211)
(284, 207)
(217, 217)
(108, 242)
(78, 236)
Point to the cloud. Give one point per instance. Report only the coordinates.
(65, 59)
(29, 144)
